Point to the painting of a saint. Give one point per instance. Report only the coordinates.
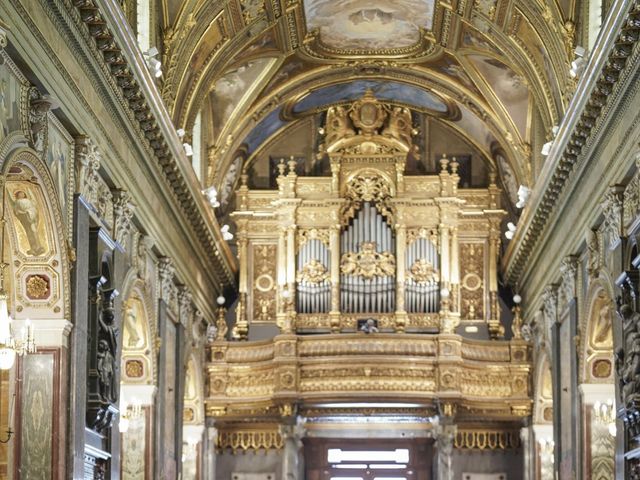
(9, 102)
(369, 24)
(26, 211)
(59, 150)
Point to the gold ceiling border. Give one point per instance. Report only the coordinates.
(314, 48)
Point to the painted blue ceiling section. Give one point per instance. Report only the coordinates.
(382, 90)
(265, 128)
(344, 92)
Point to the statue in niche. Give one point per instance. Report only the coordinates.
(106, 372)
(107, 348)
(131, 326)
(602, 334)
(27, 213)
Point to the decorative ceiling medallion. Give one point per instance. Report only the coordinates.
(368, 263)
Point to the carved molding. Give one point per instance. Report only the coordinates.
(91, 185)
(123, 216)
(614, 68)
(612, 210)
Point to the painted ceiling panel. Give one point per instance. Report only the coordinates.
(369, 24)
(234, 89)
(509, 87)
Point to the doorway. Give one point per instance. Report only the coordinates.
(368, 459)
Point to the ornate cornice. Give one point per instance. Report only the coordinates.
(590, 106)
(133, 86)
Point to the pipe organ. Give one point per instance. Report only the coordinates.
(413, 253)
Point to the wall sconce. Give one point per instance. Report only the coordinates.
(605, 414)
(131, 412)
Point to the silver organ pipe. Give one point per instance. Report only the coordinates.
(313, 296)
(367, 295)
(422, 295)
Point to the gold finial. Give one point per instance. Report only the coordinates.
(281, 167)
(444, 161)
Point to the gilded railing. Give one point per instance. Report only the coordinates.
(492, 377)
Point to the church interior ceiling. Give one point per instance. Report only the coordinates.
(492, 74)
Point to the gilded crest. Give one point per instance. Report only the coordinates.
(423, 271)
(368, 263)
(313, 271)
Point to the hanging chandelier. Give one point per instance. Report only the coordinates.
(10, 346)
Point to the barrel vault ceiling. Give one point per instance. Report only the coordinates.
(495, 71)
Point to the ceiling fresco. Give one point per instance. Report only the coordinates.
(234, 89)
(369, 24)
(496, 71)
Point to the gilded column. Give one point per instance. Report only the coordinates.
(281, 267)
(495, 328)
(455, 271)
(444, 256)
(334, 247)
(401, 244)
(291, 259)
(242, 323)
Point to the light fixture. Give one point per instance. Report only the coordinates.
(130, 412)
(523, 196)
(10, 346)
(188, 150)
(181, 133)
(605, 414)
(153, 63)
(226, 234)
(511, 230)
(546, 148)
(580, 62)
(444, 293)
(547, 447)
(212, 196)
